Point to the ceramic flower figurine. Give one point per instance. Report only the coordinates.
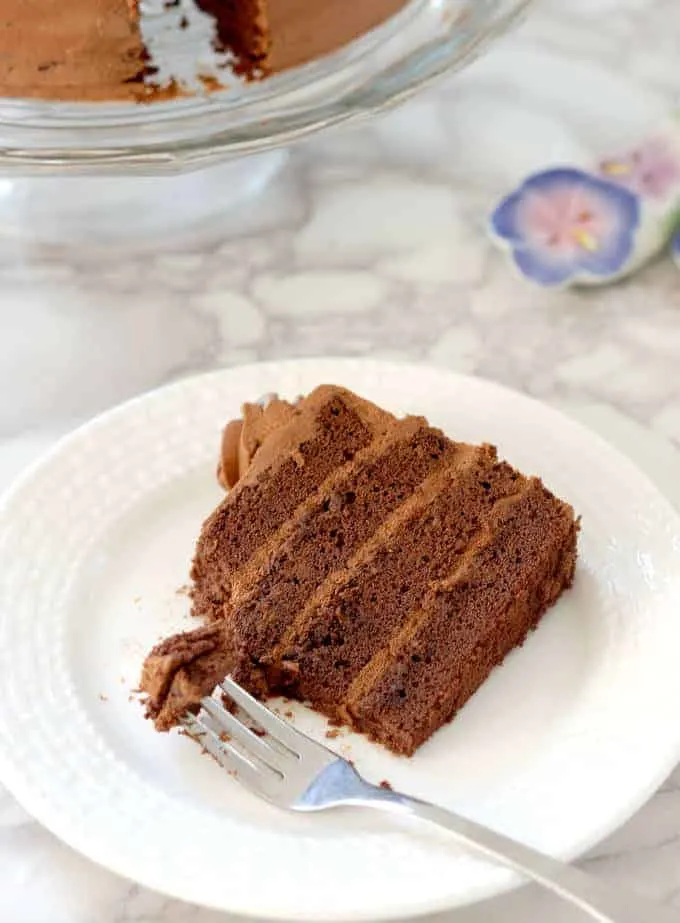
(651, 170)
(567, 225)
(572, 226)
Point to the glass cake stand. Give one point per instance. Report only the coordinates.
(179, 164)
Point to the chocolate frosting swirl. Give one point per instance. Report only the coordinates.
(241, 439)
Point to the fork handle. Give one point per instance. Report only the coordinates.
(589, 894)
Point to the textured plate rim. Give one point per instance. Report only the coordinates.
(333, 368)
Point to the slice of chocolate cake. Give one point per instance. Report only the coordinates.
(365, 564)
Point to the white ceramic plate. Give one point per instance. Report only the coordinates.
(561, 745)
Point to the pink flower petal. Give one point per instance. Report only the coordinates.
(566, 220)
(652, 170)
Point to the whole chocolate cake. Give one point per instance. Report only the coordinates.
(366, 564)
(93, 49)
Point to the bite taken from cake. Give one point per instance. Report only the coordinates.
(367, 565)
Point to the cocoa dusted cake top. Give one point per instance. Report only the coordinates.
(365, 564)
(87, 50)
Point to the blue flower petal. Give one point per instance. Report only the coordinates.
(546, 272)
(612, 255)
(546, 180)
(675, 248)
(504, 218)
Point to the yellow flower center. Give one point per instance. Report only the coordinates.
(585, 239)
(615, 168)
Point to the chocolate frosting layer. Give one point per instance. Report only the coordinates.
(241, 439)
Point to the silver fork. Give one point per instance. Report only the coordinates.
(292, 771)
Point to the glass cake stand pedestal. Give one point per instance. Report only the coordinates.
(126, 211)
(126, 175)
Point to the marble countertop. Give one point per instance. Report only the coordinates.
(368, 242)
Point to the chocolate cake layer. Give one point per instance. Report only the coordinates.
(175, 675)
(497, 592)
(323, 434)
(327, 537)
(241, 27)
(340, 635)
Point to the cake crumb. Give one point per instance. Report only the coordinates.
(103, 697)
(224, 737)
(332, 733)
(289, 714)
(184, 590)
(210, 83)
(228, 703)
(137, 600)
(386, 785)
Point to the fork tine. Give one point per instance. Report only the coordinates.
(292, 739)
(260, 780)
(275, 759)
